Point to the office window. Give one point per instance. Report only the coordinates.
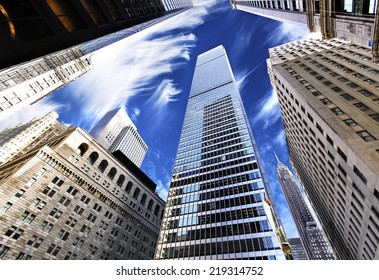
(366, 136)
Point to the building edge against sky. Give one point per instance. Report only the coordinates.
(312, 237)
(116, 131)
(357, 21)
(328, 95)
(68, 198)
(219, 199)
(35, 28)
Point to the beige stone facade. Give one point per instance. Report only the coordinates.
(71, 199)
(329, 99)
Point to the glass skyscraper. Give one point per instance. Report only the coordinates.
(218, 205)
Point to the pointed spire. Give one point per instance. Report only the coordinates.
(276, 157)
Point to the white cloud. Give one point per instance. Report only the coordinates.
(269, 111)
(127, 67)
(26, 114)
(280, 138)
(241, 79)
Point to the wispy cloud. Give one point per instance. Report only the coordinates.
(241, 78)
(269, 111)
(129, 66)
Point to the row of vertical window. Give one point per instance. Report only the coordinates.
(219, 248)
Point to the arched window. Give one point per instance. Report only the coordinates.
(112, 173)
(156, 210)
(150, 205)
(82, 149)
(103, 164)
(162, 214)
(120, 180)
(143, 199)
(93, 157)
(136, 193)
(129, 186)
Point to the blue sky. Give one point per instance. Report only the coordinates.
(150, 74)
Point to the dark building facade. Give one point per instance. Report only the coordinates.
(33, 28)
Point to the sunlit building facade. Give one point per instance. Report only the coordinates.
(117, 132)
(71, 199)
(352, 20)
(313, 239)
(297, 249)
(329, 100)
(219, 197)
(26, 83)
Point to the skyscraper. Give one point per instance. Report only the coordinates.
(71, 199)
(328, 95)
(356, 21)
(116, 131)
(26, 83)
(216, 203)
(14, 140)
(314, 241)
(297, 249)
(34, 28)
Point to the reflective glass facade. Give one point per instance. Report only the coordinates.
(215, 208)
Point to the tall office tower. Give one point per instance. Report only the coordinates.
(34, 28)
(354, 20)
(329, 100)
(215, 206)
(116, 131)
(297, 249)
(315, 243)
(24, 84)
(14, 140)
(71, 199)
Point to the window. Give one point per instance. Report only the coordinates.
(82, 149)
(375, 117)
(49, 192)
(27, 217)
(365, 92)
(120, 180)
(53, 249)
(347, 96)
(136, 193)
(31, 182)
(3, 251)
(360, 175)
(361, 106)
(64, 201)
(19, 193)
(112, 173)
(63, 235)
(103, 165)
(34, 241)
(91, 218)
(143, 199)
(128, 187)
(46, 226)
(71, 190)
(70, 256)
(14, 232)
(350, 122)
(78, 210)
(93, 157)
(342, 154)
(39, 203)
(366, 136)
(71, 221)
(55, 213)
(150, 205)
(108, 215)
(6, 207)
(85, 199)
(97, 207)
(78, 243)
(337, 111)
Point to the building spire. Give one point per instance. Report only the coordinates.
(276, 157)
